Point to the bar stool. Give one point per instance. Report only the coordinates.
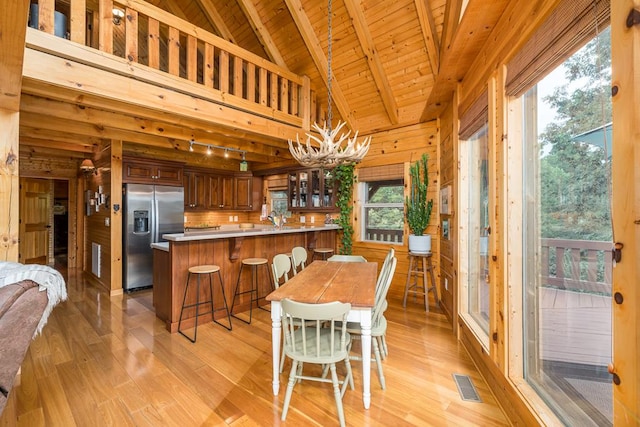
(253, 263)
(322, 252)
(417, 270)
(199, 270)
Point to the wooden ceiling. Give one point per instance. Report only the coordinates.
(395, 63)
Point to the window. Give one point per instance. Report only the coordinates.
(476, 171)
(383, 211)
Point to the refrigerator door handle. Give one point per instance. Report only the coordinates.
(156, 221)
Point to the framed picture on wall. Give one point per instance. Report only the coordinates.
(445, 229)
(445, 200)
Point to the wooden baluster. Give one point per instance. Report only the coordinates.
(105, 30)
(131, 35)
(560, 263)
(192, 58)
(174, 51)
(154, 43)
(264, 87)
(575, 264)
(46, 18)
(78, 21)
(251, 82)
(223, 71)
(592, 265)
(293, 98)
(209, 65)
(284, 95)
(273, 98)
(238, 80)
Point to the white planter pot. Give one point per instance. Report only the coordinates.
(420, 244)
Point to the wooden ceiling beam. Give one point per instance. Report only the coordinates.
(59, 140)
(320, 59)
(141, 124)
(216, 20)
(359, 22)
(13, 30)
(262, 33)
(430, 35)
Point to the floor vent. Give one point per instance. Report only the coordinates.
(466, 388)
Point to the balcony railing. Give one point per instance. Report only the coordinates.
(383, 235)
(149, 36)
(577, 265)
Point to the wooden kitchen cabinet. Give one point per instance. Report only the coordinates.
(312, 190)
(195, 190)
(143, 171)
(206, 189)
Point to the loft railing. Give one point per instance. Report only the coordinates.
(154, 38)
(578, 265)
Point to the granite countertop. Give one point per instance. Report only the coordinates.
(163, 246)
(226, 232)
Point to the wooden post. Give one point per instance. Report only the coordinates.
(625, 60)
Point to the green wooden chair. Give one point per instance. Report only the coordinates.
(306, 340)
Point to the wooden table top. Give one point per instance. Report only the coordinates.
(325, 281)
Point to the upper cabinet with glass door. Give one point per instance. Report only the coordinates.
(312, 190)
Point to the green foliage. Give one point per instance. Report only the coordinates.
(575, 176)
(418, 209)
(344, 175)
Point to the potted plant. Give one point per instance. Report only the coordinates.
(417, 208)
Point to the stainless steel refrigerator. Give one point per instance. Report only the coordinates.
(149, 212)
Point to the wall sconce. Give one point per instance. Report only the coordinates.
(87, 167)
(118, 14)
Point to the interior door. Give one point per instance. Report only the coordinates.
(35, 196)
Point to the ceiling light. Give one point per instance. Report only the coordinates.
(330, 152)
(191, 146)
(243, 164)
(208, 150)
(226, 153)
(87, 167)
(118, 14)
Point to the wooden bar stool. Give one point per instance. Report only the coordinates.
(253, 263)
(418, 270)
(199, 270)
(324, 253)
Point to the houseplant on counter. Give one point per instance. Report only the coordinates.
(417, 208)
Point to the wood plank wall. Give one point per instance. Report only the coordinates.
(448, 247)
(403, 145)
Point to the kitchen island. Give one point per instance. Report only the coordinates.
(227, 248)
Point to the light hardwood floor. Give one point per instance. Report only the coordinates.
(109, 361)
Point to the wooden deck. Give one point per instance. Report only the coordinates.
(575, 327)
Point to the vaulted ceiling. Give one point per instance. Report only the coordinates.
(395, 62)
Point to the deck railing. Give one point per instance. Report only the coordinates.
(384, 235)
(578, 265)
(149, 36)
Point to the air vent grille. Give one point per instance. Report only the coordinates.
(466, 388)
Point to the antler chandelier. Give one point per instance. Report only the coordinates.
(330, 152)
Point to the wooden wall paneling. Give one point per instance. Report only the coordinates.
(115, 216)
(448, 252)
(13, 22)
(401, 146)
(9, 185)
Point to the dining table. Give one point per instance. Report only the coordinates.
(327, 281)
